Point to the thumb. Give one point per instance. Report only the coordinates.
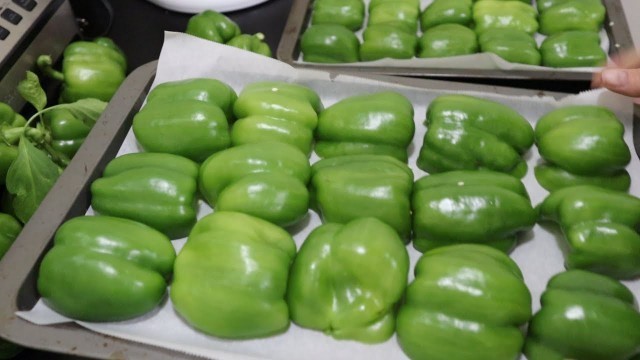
(622, 81)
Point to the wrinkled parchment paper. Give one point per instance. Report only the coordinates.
(183, 56)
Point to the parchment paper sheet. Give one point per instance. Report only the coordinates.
(484, 61)
(184, 56)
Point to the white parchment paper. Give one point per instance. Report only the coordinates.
(183, 56)
(479, 61)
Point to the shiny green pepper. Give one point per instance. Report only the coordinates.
(467, 302)
(465, 133)
(347, 187)
(90, 69)
(511, 45)
(8, 153)
(402, 14)
(378, 123)
(387, 41)
(447, 40)
(572, 15)
(9, 230)
(276, 111)
(599, 226)
(582, 144)
(10, 118)
(201, 89)
(191, 124)
(584, 316)
(573, 49)
(347, 279)
(446, 12)
(158, 190)
(67, 131)
(513, 15)
(277, 104)
(470, 207)
(254, 43)
(230, 279)
(349, 13)
(104, 268)
(546, 4)
(212, 25)
(329, 43)
(267, 180)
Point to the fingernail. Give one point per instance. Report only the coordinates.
(617, 78)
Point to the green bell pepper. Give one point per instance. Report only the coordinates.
(10, 118)
(277, 121)
(447, 40)
(104, 268)
(446, 12)
(90, 69)
(466, 133)
(189, 128)
(329, 43)
(254, 43)
(387, 41)
(402, 14)
(230, 279)
(347, 187)
(8, 153)
(470, 206)
(467, 302)
(583, 144)
(267, 180)
(67, 131)
(264, 101)
(347, 279)
(348, 13)
(292, 90)
(511, 45)
(155, 190)
(512, 15)
(378, 123)
(9, 230)
(599, 226)
(584, 316)
(585, 15)
(262, 128)
(210, 91)
(212, 25)
(573, 49)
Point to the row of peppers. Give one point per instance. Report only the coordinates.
(456, 27)
(90, 70)
(238, 275)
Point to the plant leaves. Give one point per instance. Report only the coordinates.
(86, 110)
(30, 178)
(30, 89)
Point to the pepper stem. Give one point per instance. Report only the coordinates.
(45, 64)
(260, 36)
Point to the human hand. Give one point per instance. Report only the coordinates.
(622, 75)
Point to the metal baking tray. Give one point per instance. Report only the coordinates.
(615, 25)
(70, 197)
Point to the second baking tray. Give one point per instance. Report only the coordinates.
(615, 26)
(70, 197)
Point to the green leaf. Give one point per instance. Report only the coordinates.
(30, 89)
(30, 178)
(87, 110)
